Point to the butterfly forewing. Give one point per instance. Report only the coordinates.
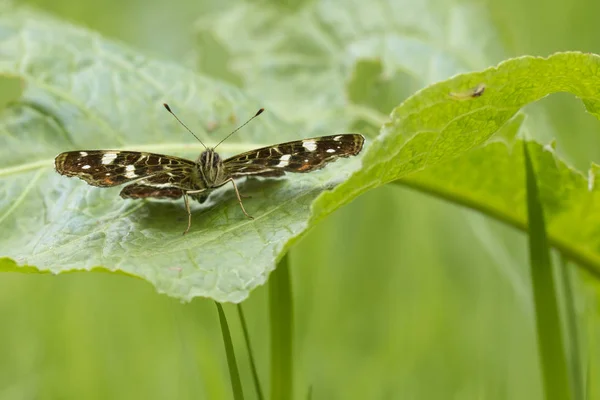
(297, 156)
(111, 168)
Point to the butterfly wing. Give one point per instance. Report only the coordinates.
(297, 156)
(107, 168)
(171, 185)
(140, 191)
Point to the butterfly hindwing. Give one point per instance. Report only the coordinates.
(141, 191)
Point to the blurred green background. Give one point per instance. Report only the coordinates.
(397, 296)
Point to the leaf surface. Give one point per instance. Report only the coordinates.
(83, 92)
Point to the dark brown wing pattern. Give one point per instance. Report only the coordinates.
(297, 156)
(137, 191)
(111, 168)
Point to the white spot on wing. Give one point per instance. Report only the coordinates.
(129, 172)
(83, 153)
(331, 150)
(86, 167)
(157, 185)
(284, 160)
(108, 158)
(309, 145)
(338, 138)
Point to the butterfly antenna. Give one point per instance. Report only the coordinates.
(240, 127)
(184, 125)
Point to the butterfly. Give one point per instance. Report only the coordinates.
(151, 175)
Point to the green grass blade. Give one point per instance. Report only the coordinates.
(281, 315)
(549, 337)
(259, 393)
(236, 384)
(572, 336)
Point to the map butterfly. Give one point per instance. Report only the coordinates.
(160, 176)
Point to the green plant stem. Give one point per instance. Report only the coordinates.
(259, 393)
(236, 384)
(549, 336)
(281, 316)
(572, 331)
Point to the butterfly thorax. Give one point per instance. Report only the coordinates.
(210, 168)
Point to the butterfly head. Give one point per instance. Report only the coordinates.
(210, 165)
(209, 158)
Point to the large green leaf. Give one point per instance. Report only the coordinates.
(432, 128)
(83, 92)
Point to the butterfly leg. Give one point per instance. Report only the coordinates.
(237, 193)
(239, 197)
(186, 198)
(189, 211)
